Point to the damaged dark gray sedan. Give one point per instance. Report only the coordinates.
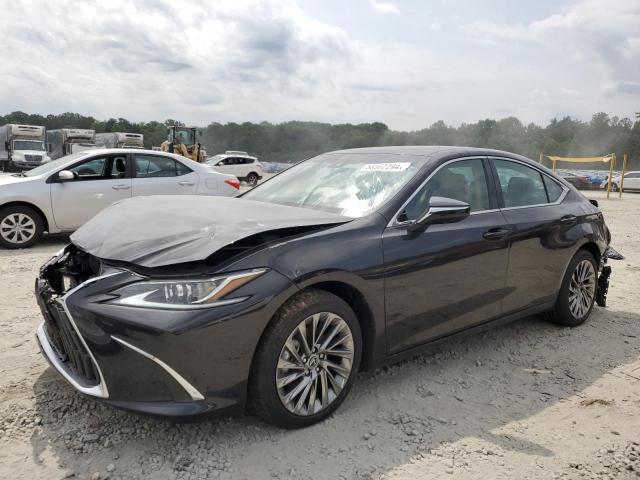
(182, 305)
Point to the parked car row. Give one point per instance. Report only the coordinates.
(584, 180)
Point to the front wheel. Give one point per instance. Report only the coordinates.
(614, 187)
(306, 361)
(578, 291)
(20, 227)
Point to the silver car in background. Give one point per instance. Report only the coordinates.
(61, 195)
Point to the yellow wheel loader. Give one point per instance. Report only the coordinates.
(182, 141)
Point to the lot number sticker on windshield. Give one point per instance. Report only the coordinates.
(385, 167)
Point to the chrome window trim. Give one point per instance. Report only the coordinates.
(190, 389)
(394, 219)
(565, 189)
(99, 390)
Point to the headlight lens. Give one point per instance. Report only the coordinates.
(184, 294)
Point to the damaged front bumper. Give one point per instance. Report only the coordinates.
(605, 273)
(154, 361)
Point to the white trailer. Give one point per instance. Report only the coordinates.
(22, 147)
(66, 141)
(120, 140)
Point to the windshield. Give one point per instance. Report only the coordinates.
(351, 184)
(51, 166)
(28, 145)
(185, 136)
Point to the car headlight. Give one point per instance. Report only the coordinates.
(184, 294)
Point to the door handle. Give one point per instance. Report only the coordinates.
(185, 183)
(496, 233)
(569, 219)
(121, 187)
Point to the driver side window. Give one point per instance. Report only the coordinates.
(101, 168)
(462, 180)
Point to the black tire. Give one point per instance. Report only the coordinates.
(614, 187)
(562, 313)
(264, 400)
(252, 179)
(35, 220)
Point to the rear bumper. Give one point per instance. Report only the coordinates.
(605, 272)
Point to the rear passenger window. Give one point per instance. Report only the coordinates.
(553, 189)
(156, 166)
(521, 185)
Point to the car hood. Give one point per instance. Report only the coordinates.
(11, 180)
(162, 230)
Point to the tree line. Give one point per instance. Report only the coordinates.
(296, 140)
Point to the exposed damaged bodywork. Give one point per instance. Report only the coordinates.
(192, 229)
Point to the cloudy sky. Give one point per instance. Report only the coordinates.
(407, 63)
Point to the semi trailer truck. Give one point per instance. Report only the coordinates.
(22, 147)
(66, 141)
(120, 140)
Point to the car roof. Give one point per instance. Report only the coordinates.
(432, 153)
(115, 151)
(234, 155)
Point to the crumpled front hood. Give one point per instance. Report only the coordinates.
(163, 230)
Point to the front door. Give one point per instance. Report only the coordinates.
(451, 276)
(99, 181)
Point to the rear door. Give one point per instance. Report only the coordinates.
(542, 242)
(99, 181)
(451, 276)
(162, 175)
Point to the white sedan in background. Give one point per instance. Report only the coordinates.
(60, 196)
(631, 181)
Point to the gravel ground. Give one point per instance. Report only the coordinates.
(525, 400)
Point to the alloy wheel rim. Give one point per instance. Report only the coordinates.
(315, 364)
(582, 289)
(17, 228)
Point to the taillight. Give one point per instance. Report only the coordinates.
(234, 183)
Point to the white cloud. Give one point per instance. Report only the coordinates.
(158, 59)
(201, 61)
(594, 31)
(384, 7)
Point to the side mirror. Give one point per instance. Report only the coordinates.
(65, 175)
(441, 210)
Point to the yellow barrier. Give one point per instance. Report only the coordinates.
(611, 158)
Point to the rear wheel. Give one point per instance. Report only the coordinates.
(252, 179)
(578, 291)
(20, 227)
(306, 361)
